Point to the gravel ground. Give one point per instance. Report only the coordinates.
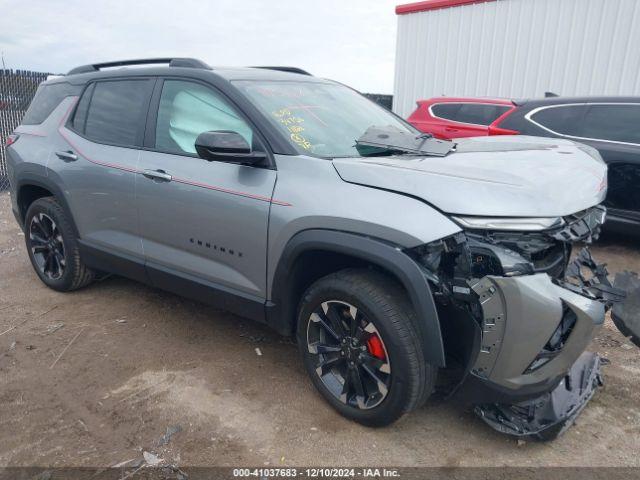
(95, 377)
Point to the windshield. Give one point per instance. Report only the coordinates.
(323, 119)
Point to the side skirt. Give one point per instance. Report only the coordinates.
(182, 284)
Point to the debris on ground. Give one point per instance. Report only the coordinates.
(66, 348)
(258, 352)
(254, 338)
(14, 327)
(122, 464)
(54, 327)
(12, 346)
(171, 431)
(151, 459)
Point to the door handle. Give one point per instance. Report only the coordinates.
(67, 156)
(157, 175)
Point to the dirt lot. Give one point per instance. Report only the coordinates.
(141, 360)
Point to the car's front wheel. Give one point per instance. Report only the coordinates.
(53, 247)
(359, 345)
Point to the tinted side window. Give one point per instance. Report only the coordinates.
(565, 120)
(620, 123)
(80, 115)
(448, 111)
(475, 113)
(188, 109)
(46, 99)
(116, 112)
(480, 114)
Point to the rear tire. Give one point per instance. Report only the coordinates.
(371, 381)
(53, 247)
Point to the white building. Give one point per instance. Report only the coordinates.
(516, 49)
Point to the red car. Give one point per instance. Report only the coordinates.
(449, 117)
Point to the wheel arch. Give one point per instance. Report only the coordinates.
(30, 187)
(311, 254)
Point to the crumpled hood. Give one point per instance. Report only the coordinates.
(505, 176)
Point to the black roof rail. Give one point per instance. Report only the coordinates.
(173, 62)
(287, 69)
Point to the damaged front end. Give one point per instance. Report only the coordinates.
(517, 315)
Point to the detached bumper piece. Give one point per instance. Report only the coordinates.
(595, 285)
(546, 417)
(623, 295)
(626, 315)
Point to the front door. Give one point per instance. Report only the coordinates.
(203, 224)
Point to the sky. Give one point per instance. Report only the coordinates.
(349, 41)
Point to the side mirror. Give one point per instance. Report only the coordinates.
(227, 146)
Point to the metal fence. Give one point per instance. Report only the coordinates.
(17, 88)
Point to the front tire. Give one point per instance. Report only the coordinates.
(53, 247)
(359, 345)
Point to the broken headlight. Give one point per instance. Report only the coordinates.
(514, 224)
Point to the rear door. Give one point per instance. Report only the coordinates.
(96, 156)
(202, 222)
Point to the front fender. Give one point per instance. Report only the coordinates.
(281, 315)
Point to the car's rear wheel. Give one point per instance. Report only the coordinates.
(359, 345)
(53, 248)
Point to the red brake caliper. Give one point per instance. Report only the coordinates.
(374, 345)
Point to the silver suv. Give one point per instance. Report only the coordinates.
(403, 265)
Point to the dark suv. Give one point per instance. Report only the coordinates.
(295, 201)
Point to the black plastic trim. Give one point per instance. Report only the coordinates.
(281, 314)
(102, 259)
(189, 286)
(30, 178)
(185, 285)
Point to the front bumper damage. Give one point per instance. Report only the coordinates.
(568, 313)
(519, 316)
(549, 415)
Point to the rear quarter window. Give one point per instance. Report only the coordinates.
(45, 101)
(618, 123)
(474, 113)
(564, 120)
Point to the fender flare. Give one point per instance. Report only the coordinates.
(35, 179)
(373, 251)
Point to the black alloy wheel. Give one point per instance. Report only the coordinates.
(351, 357)
(52, 243)
(47, 246)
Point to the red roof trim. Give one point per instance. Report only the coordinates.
(434, 5)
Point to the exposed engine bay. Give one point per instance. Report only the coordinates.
(517, 312)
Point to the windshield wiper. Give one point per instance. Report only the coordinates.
(389, 140)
